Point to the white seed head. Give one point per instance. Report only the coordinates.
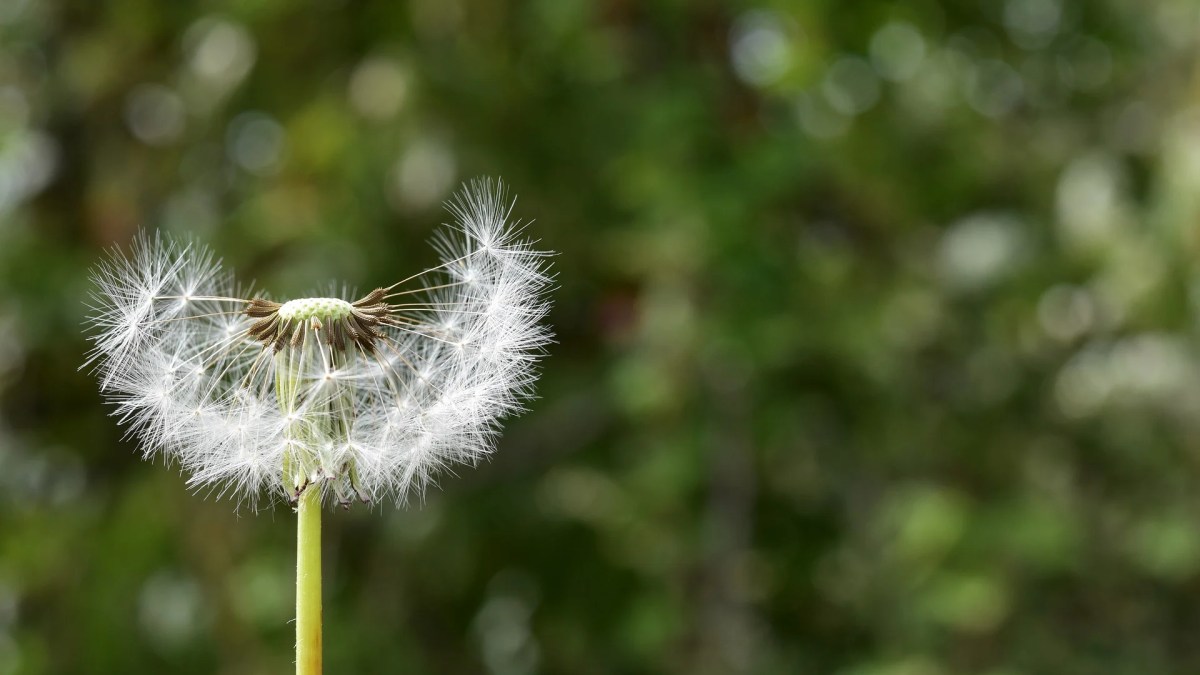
(364, 398)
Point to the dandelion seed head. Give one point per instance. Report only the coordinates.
(360, 398)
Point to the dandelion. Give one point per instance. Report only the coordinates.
(323, 400)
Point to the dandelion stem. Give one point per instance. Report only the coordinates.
(308, 583)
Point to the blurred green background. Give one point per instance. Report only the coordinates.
(876, 331)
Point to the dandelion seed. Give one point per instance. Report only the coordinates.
(326, 399)
(357, 398)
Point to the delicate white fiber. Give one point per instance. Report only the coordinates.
(376, 418)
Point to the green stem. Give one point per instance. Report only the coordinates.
(308, 583)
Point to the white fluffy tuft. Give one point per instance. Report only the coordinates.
(171, 350)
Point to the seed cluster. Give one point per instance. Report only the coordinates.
(341, 324)
(371, 398)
